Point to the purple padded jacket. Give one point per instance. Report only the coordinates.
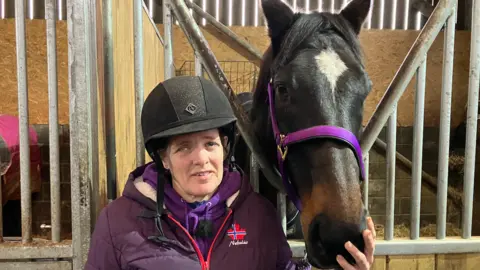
(246, 230)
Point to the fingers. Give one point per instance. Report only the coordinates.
(344, 264)
(369, 246)
(371, 226)
(359, 257)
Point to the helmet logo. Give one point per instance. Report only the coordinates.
(191, 108)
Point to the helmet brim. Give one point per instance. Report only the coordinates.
(196, 126)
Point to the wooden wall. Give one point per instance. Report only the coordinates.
(123, 62)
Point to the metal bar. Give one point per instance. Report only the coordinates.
(445, 114)
(169, 71)
(111, 160)
(251, 53)
(366, 161)
(416, 186)
(390, 192)
(472, 116)
(198, 66)
(282, 210)
(199, 43)
(35, 250)
(138, 77)
(53, 121)
(422, 246)
(405, 73)
(25, 191)
(92, 115)
(81, 48)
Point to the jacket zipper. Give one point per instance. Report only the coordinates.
(215, 239)
(205, 264)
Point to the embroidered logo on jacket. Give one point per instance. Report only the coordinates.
(237, 235)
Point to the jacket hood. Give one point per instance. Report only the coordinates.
(137, 189)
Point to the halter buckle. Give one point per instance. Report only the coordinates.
(283, 150)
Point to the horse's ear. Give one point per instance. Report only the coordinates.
(356, 12)
(279, 16)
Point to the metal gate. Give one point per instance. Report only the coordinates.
(56, 253)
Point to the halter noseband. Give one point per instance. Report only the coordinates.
(284, 140)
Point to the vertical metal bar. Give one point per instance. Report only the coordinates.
(55, 206)
(282, 210)
(366, 161)
(81, 50)
(254, 174)
(416, 184)
(472, 116)
(25, 191)
(109, 99)
(445, 114)
(390, 192)
(138, 77)
(167, 40)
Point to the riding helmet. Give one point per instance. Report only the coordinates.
(184, 104)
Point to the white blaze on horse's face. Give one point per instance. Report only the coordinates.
(331, 65)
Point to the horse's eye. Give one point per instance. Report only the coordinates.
(282, 90)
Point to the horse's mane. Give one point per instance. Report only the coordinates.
(322, 25)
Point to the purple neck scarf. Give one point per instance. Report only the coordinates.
(190, 214)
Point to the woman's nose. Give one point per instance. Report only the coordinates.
(200, 157)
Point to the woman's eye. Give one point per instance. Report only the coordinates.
(211, 144)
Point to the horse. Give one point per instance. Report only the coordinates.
(306, 114)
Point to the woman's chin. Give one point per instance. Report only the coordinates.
(203, 189)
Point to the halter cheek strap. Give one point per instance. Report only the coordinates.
(326, 132)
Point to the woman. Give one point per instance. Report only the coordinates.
(191, 208)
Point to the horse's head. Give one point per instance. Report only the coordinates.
(318, 87)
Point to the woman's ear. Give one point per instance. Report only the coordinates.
(164, 158)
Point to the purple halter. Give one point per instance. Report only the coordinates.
(283, 141)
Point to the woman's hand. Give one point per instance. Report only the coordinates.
(363, 261)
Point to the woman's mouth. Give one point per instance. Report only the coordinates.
(202, 174)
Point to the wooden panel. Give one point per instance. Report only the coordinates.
(458, 261)
(124, 89)
(123, 62)
(412, 262)
(380, 263)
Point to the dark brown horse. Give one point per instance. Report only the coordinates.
(307, 114)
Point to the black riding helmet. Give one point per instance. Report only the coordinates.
(182, 105)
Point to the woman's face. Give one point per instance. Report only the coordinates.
(196, 164)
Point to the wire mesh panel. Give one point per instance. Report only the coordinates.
(242, 75)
